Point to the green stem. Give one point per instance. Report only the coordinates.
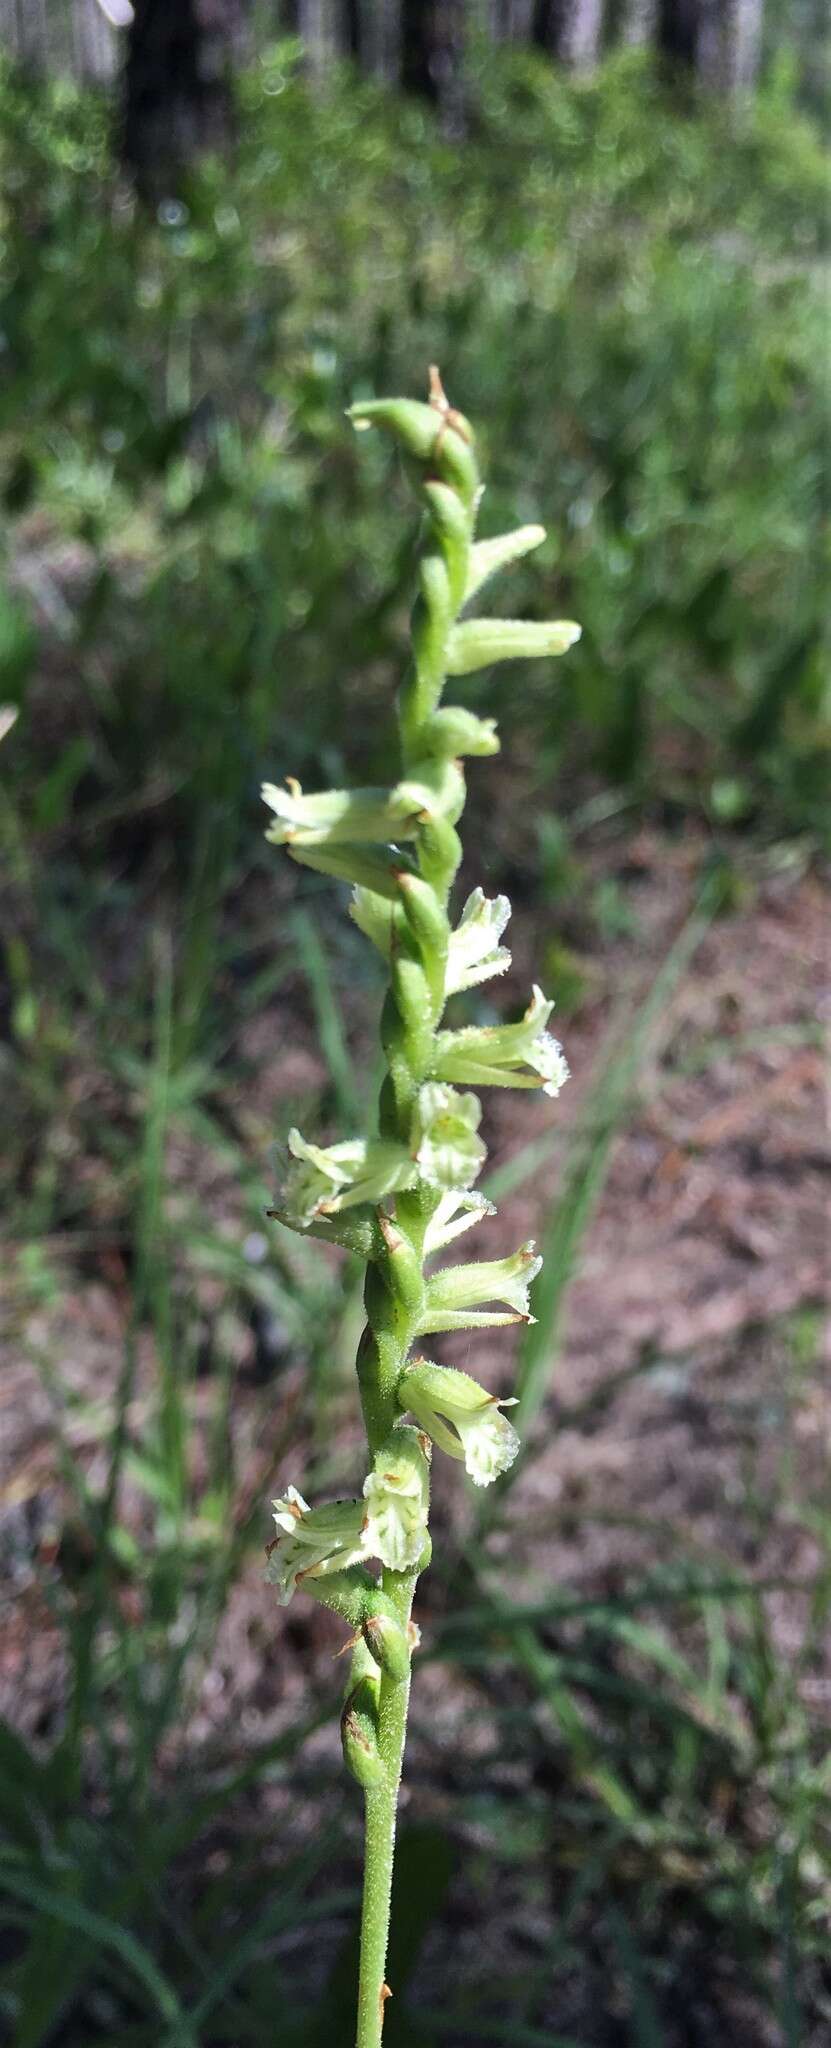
(410, 1015)
(381, 1814)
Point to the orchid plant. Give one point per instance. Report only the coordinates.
(400, 1198)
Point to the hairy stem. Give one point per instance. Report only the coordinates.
(411, 1015)
(379, 1848)
(388, 1198)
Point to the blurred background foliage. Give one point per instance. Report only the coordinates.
(205, 577)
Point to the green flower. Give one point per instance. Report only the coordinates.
(456, 731)
(322, 1180)
(522, 1055)
(312, 1542)
(340, 816)
(446, 1148)
(478, 642)
(397, 1493)
(454, 1294)
(461, 1417)
(488, 556)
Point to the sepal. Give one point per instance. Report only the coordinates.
(387, 1642)
(360, 865)
(476, 643)
(487, 557)
(455, 1212)
(359, 1735)
(355, 1230)
(454, 1295)
(373, 916)
(428, 923)
(400, 1264)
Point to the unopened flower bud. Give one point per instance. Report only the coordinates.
(359, 1737)
(488, 556)
(388, 1644)
(479, 642)
(415, 426)
(455, 731)
(402, 1266)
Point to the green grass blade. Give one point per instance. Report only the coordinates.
(96, 1928)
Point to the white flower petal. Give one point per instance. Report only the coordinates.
(474, 953)
(456, 1212)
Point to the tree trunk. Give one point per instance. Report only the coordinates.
(548, 25)
(582, 33)
(382, 40)
(317, 27)
(432, 42)
(679, 24)
(351, 28)
(639, 22)
(745, 44)
(512, 20)
(418, 48)
(176, 97)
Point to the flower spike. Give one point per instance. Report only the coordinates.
(402, 1195)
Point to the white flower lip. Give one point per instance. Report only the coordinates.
(396, 1492)
(446, 1148)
